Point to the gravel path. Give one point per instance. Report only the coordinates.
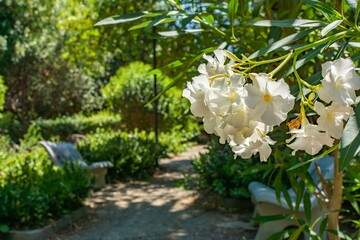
(155, 209)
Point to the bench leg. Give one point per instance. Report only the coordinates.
(99, 174)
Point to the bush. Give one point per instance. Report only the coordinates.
(11, 126)
(33, 190)
(63, 127)
(133, 155)
(130, 90)
(217, 170)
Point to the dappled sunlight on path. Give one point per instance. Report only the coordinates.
(154, 209)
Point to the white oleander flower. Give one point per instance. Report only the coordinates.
(216, 65)
(257, 142)
(270, 101)
(309, 138)
(226, 94)
(340, 82)
(332, 118)
(196, 92)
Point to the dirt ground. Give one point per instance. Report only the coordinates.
(156, 209)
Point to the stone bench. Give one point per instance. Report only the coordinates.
(61, 152)
(266, 203)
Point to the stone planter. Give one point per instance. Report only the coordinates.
(44, 233)
(35, 234)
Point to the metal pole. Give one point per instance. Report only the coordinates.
(156, 103)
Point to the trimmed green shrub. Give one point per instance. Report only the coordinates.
(133, 154)
(63, 127)
(33, 190)
(217, 170)
(11, 126)
(131, 89)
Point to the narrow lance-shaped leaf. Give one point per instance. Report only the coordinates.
(278, 44)
(287, 23)
(328, 11)
(349, 145)
(296, 234)
(299, 195)
(307, 207)
(186, 20)
(125, 18)
(140, 25)
(232, 10)
(158, 20)
(330, 27)
(180, 32)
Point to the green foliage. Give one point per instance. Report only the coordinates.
(11, 126)
(132, 88)
(219, 171)
(33, 191)
(133, 155)
(3, 89)
(63, 127)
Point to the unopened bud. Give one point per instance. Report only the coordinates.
(311, 97)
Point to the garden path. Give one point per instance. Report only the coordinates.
(156, 209)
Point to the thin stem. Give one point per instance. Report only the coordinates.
(298, 78)
(282, 64)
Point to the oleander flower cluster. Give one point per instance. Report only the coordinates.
(242, 111)
(337, 92)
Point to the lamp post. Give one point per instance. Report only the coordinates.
(156, 102)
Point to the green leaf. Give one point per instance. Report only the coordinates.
(326, 9)
(158, 20)
(342, 50)
(288, 199)
(232, 10)
(278, 44)
(295, 235)
(207, 17)
(349, 145)
(323, 226)
(175, 64)
(271, 218)
(299, 195)
(278, 185)
(330, 27)
(304, 59)
(179, 32)
(352, 201)
(186, 20)
(307, 207)
(274, 35)
(141, 25)
(287, 23)
(125, 18)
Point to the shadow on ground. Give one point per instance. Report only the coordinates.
(155, 209)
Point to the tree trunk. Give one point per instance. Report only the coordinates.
(334, 205)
